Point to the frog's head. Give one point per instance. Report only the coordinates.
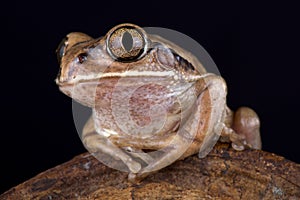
(126, 51)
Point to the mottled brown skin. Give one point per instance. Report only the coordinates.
(122, 86)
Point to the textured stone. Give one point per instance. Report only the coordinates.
(223, 174)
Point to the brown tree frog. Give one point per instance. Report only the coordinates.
(152, 101)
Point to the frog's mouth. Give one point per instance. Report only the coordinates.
(127, 74)
(89, 78)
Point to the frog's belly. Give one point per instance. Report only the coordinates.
(147, 114)
(122, 129)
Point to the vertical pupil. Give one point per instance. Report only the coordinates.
(127, 41)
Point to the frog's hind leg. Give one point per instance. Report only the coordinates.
(182, 144)
(246, 123)
(103, 149)
(244, 129)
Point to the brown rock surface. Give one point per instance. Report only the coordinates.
(223, 174)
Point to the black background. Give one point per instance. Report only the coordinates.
(255, 46)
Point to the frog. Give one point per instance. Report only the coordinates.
(153, 102)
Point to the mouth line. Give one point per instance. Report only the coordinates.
(91, 78)
(129, 74)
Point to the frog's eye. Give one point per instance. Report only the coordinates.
(126, 43)
(61, 49)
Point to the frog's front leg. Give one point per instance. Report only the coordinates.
(98, 144)
(169, 154)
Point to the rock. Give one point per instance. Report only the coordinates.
(223, 174)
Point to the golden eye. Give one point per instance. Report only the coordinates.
(126, 42)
